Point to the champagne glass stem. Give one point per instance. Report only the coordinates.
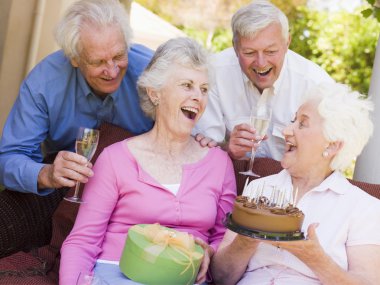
(76, 192)
(75, 198)
(249, 171)
(252, 159)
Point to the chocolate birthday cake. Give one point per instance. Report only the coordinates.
(261, 214)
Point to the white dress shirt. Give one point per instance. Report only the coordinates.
(232, 95)
(347, 216)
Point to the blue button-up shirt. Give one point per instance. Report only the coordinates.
(53, 102)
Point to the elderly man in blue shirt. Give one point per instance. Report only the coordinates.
(91, 80)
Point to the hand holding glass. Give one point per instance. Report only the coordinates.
(260, 118)
(85, 145)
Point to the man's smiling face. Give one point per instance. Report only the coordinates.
(261, 57)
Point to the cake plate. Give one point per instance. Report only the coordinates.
(288, 236)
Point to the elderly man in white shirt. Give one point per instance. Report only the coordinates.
(259, 69)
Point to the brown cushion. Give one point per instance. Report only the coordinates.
(24, 268)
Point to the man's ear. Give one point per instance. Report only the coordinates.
(234, 45)
(235, 50)
(289, 40)
(74, 62)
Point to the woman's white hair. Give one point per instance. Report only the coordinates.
(346, 119)
(182, 51)
(252, 18)
(96, 13)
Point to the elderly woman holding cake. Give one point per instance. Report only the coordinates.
(163, 176)
(341, 224)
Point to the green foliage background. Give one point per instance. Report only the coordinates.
(343, 43)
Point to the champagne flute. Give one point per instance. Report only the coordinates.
(260, 118)
(86, 144)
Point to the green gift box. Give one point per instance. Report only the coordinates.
(154, 254)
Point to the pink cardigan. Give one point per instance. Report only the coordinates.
(121, 194)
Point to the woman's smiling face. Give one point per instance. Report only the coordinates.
(305, 141)
(183, 98)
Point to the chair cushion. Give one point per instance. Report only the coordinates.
(24, 268)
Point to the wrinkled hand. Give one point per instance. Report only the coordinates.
(67, 168)
(306, 250)
(242, 139)
(205, 141)
(208, 253)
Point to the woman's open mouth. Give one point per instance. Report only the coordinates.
(190, 112)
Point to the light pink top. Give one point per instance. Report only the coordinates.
(121, 194)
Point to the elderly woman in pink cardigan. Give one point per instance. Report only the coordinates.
(163, 176)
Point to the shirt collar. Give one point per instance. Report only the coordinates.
(335, 182)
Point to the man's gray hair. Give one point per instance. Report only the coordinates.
(346, 118)
(176, 52)
(254, 17)
(97, 13)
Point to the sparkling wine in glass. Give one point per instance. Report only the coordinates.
(85, 145)
(260, 119)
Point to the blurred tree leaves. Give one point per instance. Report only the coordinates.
(374, 10)
(343, 43)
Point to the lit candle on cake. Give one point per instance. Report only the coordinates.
(271, 196)
(245, 189)
(295, 197)
(253, 194)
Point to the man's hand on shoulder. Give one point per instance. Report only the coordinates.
(67, 168)
(205, 141)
